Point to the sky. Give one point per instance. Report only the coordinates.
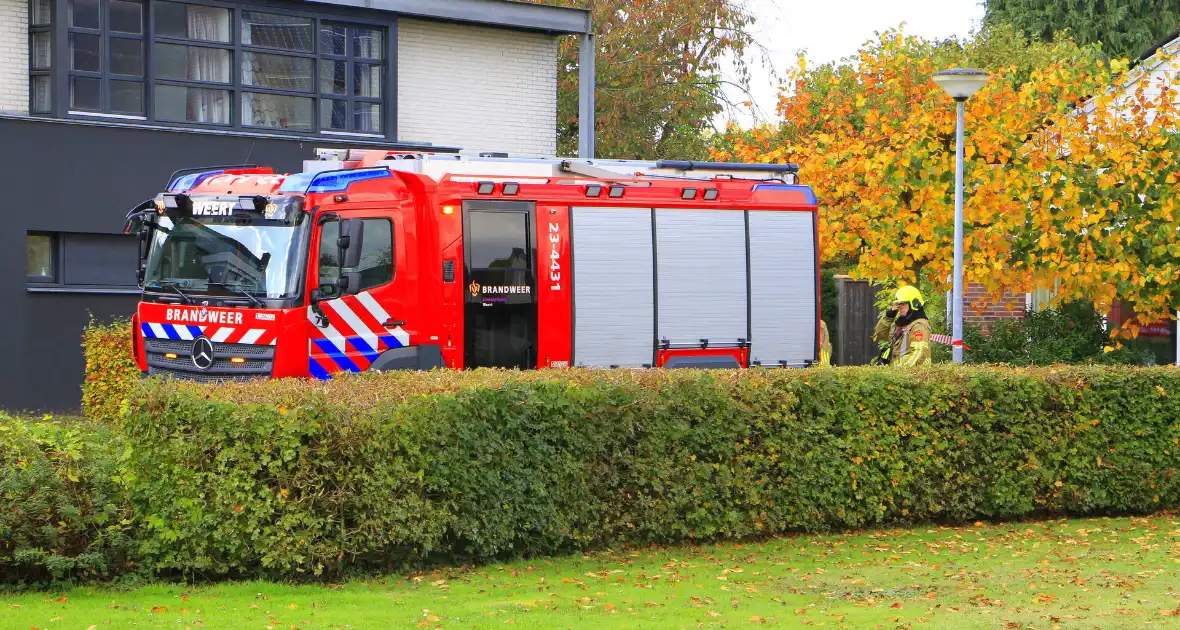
(833, 29)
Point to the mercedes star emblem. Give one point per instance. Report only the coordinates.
(203, 353)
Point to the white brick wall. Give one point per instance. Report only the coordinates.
(14, 56)
(476, 88)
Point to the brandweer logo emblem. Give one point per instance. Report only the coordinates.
(474, 288)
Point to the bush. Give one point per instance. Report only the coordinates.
(368, 472)
(63, 515)
(1072, 334)
(111, 372)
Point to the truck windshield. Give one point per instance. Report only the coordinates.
(227, 256)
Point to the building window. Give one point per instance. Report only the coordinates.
(193, 55)
(107, 56)
(244, 67)
(75, 261)
(40, 255)
(350, 78)
(40, 56)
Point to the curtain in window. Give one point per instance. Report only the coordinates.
(208, 23)
(207, 64)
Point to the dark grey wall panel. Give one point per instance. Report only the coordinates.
(60, 177)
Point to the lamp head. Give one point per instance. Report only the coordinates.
(961, 83)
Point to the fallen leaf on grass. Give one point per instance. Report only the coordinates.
(757, 619)
(610, 607)
(1170, 613)
(432, 618)
(713, 614)
(897, 605)
(159, 609)
(92, 628)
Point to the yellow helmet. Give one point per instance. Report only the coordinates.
(909, 294)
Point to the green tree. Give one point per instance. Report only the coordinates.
(659, 74)
(1125, 28)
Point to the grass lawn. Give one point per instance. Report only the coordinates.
(1095, 573)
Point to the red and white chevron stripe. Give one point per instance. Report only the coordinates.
(230, 334)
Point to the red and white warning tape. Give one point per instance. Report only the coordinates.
(946, 340)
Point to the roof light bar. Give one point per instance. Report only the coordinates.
(593, 190)
(190, 181)
(711, 194)
(617, 191)
(485, 188)
(511, 188)
(339, 181)
(688, 193)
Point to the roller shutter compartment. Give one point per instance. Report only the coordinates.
(701, 267)
(613, 287)
(783, 285)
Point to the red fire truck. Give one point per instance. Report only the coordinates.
(384, 260)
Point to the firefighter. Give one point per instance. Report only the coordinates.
(825, 344)
(905, 330)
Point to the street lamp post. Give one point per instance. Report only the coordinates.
(960, 84)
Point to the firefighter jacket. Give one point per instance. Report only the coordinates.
(825, 344)
(909, 345)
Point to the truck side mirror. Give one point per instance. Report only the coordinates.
(349, 283)
(143, 235)
(350, 242)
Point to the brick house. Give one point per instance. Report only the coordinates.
(982, 310)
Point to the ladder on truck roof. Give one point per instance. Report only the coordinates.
(436, 165)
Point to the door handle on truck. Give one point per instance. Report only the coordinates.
(390, 323)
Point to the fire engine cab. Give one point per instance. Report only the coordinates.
(385, 260)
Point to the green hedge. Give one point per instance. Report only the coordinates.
(1073, 333)
(63, 514)
(380, 471)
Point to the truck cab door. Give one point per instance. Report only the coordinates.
(350, 332)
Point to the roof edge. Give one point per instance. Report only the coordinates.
(1150, 52)
(500, 13)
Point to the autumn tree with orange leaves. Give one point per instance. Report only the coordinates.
(1068, 182)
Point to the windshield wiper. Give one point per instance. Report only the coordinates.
(174, 286)
(240, 290)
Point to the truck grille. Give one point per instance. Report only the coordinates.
(259, 361)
